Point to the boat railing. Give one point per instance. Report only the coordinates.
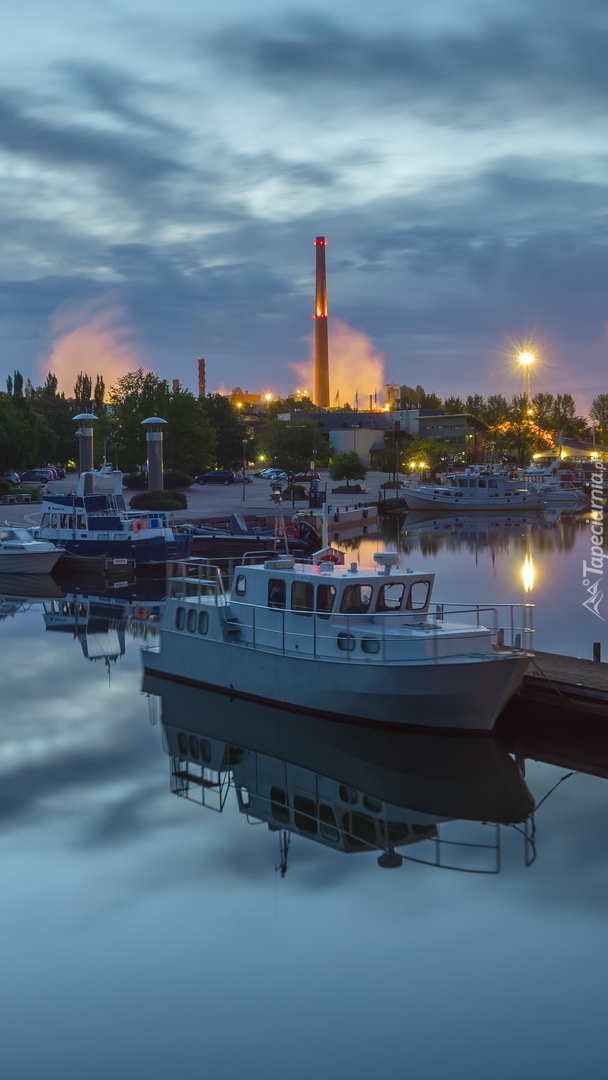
(344, 636)
(195, 578)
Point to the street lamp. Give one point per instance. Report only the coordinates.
(526, 359)
(245, 444)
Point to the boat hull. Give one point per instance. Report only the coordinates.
(456, 504)
(154, 551)
(33, 562)
(463, 693)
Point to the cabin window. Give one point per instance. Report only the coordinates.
(180, 618)
(326, 595)
(182, 743)
(81, 521)
(373, 805)
(193, 747)
(244, 797)
(463, 483)
(65, 521)
(390, 596)
(356, 599)
(327, 820)
(278, 805)
(370, 645)
(419, 595)
(302, 596)
(205, 751)
(346, 642)
(240, 585)
(191, 621)
(482, 484)
(46, 521)
(362, 826)
(203, 622)
(276, 593)
(492, 483)
(305, 814)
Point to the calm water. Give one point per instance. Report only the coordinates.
(145, 933)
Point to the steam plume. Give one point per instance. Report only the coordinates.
(91, 338)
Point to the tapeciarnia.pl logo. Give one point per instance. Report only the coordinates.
(593, 571)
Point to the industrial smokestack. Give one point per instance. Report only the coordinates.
(320, 317)
(175, 385)
(202, 390)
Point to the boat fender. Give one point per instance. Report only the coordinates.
(139, 524)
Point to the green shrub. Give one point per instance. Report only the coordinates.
(5, 487)
(134, 480)
(173, 478)
(356, 489)
(159, 500)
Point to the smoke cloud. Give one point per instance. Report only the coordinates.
(91, 338)
(356, 369)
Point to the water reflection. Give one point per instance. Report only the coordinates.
(353, 790)
(500, 532)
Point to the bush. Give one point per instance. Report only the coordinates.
(173, 478)
(356, 489)
(134, 480)
(159, 500)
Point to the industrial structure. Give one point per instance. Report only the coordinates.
(321, 391)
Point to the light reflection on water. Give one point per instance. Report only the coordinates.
(142, 933)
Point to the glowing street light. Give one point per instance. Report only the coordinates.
(526, 359)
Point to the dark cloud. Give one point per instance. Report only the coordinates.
(28, 134)
(500, 65)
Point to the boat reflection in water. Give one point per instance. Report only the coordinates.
(19, 592)
(100, 621)
(350, 789)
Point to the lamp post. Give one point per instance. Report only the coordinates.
(245, 445)
(85, 444)
(526, 359)
(154, 447)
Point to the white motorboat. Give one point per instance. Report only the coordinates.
(20, 553)
(348, 644)
(548, 482)
(464, 492)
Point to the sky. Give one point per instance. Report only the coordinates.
(165, 169)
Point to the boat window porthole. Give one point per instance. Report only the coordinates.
(182, 743)
(348, 794)
(372, 804)
(370, 645)
(205, 751)
(193, 747)
(240, 585)
(180, 618)
(346, 642)
(191, 621)
(203, 622)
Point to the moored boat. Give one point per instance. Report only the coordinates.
(20, 553)
(360, 646)
(472, 492)
(97, 523)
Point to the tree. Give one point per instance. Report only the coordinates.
(229, 427)
(429, 401)
(83, 390)
(496, 411)
(475, 405)
(434, 453)
(454, 406)
(347, 466)
(564, 418)
(599, 416)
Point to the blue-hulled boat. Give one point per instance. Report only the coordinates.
(91, 523)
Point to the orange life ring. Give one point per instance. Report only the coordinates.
(139, 524)
(291, 532)
(140, 612)
(332, 556)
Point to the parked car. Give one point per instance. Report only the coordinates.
(243, 478)
(216, 476)
(304, 478)
(11, 478)
(38, 476)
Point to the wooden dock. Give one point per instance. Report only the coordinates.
(566, 684)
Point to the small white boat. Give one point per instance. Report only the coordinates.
(550, 485)
(357, 645)
(20, 553)
(473, 491)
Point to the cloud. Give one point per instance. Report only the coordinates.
(91, 338)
